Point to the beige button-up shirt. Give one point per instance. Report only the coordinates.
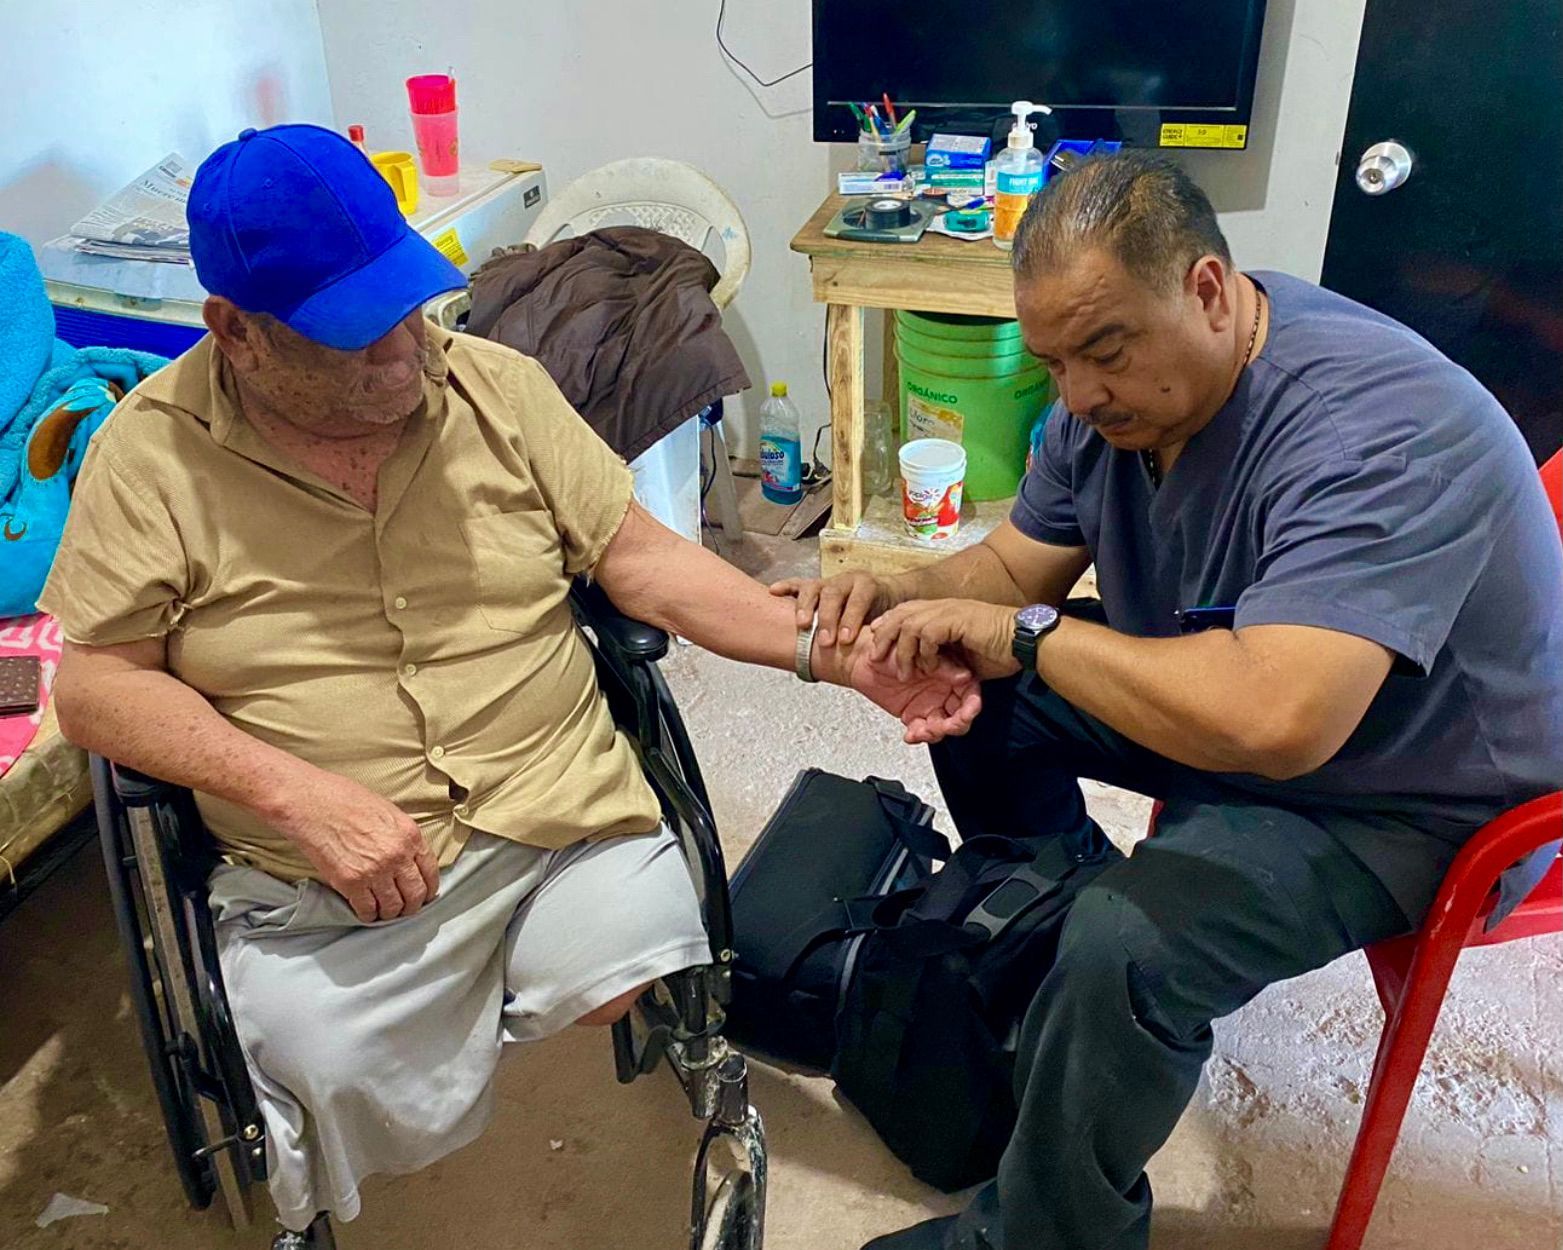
(425, 650)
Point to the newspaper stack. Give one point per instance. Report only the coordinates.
(145, 220)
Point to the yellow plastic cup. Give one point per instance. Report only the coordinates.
(401, 171)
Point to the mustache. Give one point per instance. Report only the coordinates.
(1103, 416)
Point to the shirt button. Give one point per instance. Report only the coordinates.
(463, 810)
(400, 601)
(409, 670)
(438, 753)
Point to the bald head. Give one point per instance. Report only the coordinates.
(1138, 207)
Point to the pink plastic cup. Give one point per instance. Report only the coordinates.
(433, 101)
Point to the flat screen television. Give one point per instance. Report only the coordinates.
(1156, 73)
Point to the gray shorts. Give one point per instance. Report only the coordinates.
(373, 1047)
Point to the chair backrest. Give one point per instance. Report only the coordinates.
(1552, 481)
(663, 195)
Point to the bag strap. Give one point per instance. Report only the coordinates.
(901, 809)
(933, 924)
(1042, 876)
(945, 895)
(1009, 900)
(842, 918)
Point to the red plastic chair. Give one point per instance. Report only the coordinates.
(1412, 973)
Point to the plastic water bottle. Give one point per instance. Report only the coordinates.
(781, 458)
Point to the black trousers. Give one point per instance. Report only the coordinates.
(1231, 895)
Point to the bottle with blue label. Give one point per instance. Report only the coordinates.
(1017, 175)
(781, 456)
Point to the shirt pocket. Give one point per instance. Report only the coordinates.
(517, 567)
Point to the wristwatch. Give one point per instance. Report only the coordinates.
(1032, 623)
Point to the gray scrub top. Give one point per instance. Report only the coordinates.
(1357, 480)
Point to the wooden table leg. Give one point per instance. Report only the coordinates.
(844, 348)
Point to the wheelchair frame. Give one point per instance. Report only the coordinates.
(158, 857)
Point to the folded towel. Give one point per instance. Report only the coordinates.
(26, 342)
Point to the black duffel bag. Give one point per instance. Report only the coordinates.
(832, 843)
(929, 979)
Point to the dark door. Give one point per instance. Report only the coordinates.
(1468, 248)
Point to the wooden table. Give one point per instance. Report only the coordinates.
(935, 274)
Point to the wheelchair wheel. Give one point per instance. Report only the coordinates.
(732, 1219)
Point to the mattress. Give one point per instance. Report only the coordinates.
(40, 793)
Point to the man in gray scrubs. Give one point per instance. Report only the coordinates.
(1333, 648)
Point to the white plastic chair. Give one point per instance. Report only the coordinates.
(675, 199)
(656, 194)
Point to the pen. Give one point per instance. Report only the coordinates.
(889, 108)
(1194, 620)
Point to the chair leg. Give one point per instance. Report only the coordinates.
(1390, 963)
(1395, 1070)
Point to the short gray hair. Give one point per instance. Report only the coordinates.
(1144, 210)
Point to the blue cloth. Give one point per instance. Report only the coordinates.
(53, 398)
(1357, 480)
(27, 342)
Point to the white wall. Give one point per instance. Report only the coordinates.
(99, 90)
(1274, 198)
(577, 84)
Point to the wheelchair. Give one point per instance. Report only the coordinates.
(159, 856)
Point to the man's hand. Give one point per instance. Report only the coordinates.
(912, 637)
(368, 850)
(845, 603)
(938, 703)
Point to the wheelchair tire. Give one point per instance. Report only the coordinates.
(731, 1218)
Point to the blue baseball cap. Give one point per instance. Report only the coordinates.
(295, 222)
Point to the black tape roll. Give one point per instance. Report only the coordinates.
(887, 214)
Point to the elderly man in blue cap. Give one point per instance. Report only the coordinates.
(317, 570)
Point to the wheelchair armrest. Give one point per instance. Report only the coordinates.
(136, 789)
(634, 640)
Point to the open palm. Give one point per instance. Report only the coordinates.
(931, 706)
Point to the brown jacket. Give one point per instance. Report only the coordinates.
(623, 321)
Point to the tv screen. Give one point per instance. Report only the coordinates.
(1173, 73)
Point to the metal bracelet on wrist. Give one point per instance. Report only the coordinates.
(802, 658)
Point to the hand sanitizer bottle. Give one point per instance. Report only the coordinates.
(1018, 171)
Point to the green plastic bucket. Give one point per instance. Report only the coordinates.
(968, 379)
(983, 349)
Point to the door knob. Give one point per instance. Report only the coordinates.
(1384, 167)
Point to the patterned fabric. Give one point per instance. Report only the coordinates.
(38, 635)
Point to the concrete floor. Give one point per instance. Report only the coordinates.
(575, 1161)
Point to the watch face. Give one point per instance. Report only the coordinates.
(1037, 616)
